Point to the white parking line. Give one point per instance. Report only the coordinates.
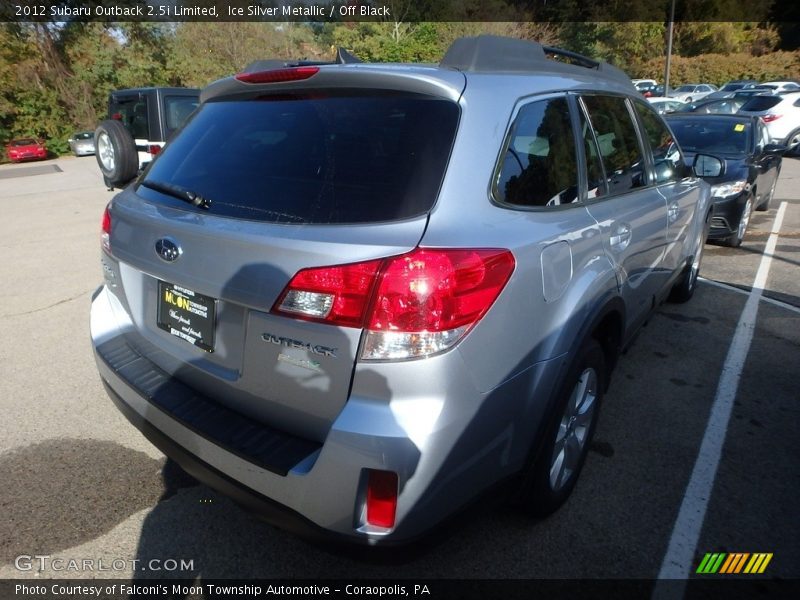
(678, 560)
(733, 288)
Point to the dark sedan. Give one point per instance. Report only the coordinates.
(750, 173)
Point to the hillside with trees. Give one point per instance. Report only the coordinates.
(55, 78)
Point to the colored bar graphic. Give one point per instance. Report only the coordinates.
(732, 563)
(758, 564)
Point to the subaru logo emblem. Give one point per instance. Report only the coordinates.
(168, 249)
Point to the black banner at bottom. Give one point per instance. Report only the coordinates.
(434, 589)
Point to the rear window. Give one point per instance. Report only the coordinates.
(132, 112)
(759, 103)
(312, 159)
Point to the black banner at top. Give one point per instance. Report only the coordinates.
(328, 11)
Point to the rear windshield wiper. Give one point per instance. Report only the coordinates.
(178, 192)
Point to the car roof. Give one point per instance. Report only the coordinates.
(483, 60)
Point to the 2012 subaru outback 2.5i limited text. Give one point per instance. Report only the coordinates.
(354, 296)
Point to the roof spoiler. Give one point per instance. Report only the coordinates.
(343, 57)
(491, 53)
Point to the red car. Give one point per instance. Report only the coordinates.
(26, 149)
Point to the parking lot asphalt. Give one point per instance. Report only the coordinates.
(77, 481)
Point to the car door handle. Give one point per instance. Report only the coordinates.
(620, 236)
(673, 212)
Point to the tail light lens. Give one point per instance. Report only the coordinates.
(154, 149)
(381, 498)
(770, 118)
(412, 305)
(278, 75)
(105, 231)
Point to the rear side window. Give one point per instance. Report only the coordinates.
(619, 145)
(667, 159)
(177, 110)
(312, 159)
(539, 166)
(758, 103)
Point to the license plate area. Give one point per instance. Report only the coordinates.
(187, 315)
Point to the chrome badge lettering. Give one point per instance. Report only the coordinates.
(290, 343)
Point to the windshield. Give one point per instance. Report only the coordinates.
(685, 88)
(84, 135)
(25, 142)
(317, 158)
(724, 136)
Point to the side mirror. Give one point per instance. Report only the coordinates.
(775, 149)
(706, 165)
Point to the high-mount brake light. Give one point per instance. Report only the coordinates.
(413, 305)
(278, 75)
(105, 231)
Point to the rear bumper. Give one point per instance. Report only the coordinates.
(446, 441)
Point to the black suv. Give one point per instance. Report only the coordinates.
(139, 122)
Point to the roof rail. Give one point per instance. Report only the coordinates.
(485, 53)
(343, 57)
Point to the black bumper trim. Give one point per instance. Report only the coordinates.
(264, 508)
(264, 446)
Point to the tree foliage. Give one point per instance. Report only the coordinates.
(55, 77)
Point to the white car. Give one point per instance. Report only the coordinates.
(692, 91)
(779, 87)
(781, 114)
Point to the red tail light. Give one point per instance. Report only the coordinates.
(278, 75)
(154, 149)
(412, 305)
(770, 118)
(381, 498)
(105, 231)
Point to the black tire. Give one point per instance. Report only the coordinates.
(538, 495)
(735, 240)
(116, 153)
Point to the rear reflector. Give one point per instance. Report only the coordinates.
(105, 231)
(412, 305)
(154, 149)
(381, 498)
(278, 75)
(770, 118)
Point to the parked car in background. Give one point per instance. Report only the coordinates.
(139, 123)
(781, 114)
(726, 106)
(82, 143)
(728, 89)
(752, 166)
(314, 295)
(692, 91)
(26, 149)
(780, 87)
(665, 105)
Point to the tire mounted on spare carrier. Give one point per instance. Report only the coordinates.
(116, 153)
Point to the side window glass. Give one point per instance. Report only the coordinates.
(619, 145)
(539, 166)
(667, 158)
(595, 177)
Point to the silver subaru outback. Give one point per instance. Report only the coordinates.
(355, 296)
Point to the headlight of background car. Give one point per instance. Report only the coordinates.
(723, 190)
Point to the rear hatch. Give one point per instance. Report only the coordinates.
(255, 188)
